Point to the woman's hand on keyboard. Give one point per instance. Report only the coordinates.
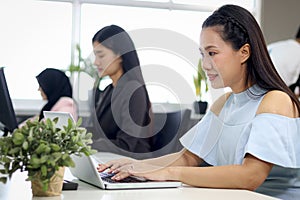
(113, 165)
(143, 170)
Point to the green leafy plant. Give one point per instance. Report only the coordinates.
(41, 149)
(199, 80)
(84, 65)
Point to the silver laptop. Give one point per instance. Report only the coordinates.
(85, 170)
(63, 117)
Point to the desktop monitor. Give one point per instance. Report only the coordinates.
(8, 121)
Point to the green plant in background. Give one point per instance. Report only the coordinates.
(199, 79)
(73, 67)
(41, 149)
(84, 65)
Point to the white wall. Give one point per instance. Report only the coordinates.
(280, 19)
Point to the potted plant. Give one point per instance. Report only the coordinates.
(83, 65)
(199, 105)
(43, 150)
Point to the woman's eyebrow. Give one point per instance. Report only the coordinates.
(207, 48)
(98, 51)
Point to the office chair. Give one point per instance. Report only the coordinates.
(295, 85)
(169, 127)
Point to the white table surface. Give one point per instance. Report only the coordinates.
(18, 188)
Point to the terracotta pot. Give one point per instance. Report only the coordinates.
(54, 188)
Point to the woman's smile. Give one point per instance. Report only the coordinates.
(212, 77)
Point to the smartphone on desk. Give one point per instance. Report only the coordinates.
(69, 185)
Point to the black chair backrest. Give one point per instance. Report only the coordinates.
(295, 85)
(168, 128)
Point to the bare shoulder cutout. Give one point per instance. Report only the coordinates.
(219, 103)
(278, 102)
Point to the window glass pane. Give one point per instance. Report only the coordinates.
(34, 35)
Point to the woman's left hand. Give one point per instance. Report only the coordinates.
(139, 169)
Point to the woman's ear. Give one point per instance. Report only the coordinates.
(245, 52)
(120, 59)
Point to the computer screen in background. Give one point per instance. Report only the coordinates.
(8, 121)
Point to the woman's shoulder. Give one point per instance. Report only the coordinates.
(277, 102)
(219, 103)
(64, 102)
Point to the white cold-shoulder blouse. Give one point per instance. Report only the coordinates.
(227, 138)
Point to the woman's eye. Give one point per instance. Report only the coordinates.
(211, 53)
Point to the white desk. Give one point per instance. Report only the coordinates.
(18, 188)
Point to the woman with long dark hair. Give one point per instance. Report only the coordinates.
(123, 108)
(250, 136)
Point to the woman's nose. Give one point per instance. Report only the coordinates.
(97, 62)
(206, 63)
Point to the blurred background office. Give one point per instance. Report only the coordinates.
(44, 33)
(285, 56)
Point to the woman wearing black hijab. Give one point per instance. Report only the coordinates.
(56, 89)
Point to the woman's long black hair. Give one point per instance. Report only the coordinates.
(118, 40)
(55, 85)
(238, 27)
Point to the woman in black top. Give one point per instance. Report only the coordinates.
(123, 109)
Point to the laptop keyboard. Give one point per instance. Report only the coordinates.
(107, 177)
